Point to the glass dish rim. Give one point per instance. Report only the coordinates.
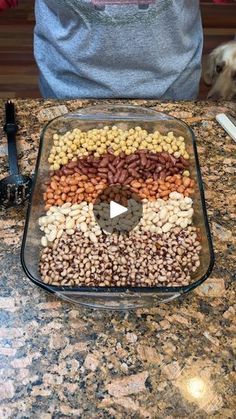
(116, 290)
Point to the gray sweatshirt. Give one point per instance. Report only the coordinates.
(118, 48)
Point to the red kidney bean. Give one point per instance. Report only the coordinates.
(162, 160)
(123, 176)
(179, 165)
(184, 161)
(163, 174)
(133, 165)
(111, 168)
(134, 173)
(117, 176)
(140, 165)
(155, 157)
(102, 170)
(92, 170)
(128, 180)
(165, 155)
(159, 168)
(116, 161)
(143, 159)
(172, 159)
(103, 162)
(151, 167)
(132, 158)
(110, 178)
(72, 164)
(84, 170)
(103, 175)
(67, 171)
(121, 164)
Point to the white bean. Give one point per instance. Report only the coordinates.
(83, 227)
(44, 241)
(167, 227)
(70, 223)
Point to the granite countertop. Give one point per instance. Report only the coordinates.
(59, 360)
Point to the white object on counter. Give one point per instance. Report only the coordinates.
(227, 124)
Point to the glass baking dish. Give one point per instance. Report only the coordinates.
(114, 297)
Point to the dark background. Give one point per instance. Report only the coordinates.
(18, 72)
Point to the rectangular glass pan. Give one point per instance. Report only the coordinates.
(125, 117)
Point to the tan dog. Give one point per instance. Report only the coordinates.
(219, 71)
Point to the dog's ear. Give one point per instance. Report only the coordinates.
(208, 68)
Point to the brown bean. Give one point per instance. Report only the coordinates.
(59, 202)
(73, 181)
(54, 185)
(136, 184)
(80, 190)
(99, 187)
(180, 189)
(189, 191)
(164, 193)
(186, 181)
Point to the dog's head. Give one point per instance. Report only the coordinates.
(219, 71)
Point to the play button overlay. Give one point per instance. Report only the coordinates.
(118, 209)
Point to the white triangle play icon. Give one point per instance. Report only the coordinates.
(116, 209)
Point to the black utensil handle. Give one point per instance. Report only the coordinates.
(12, 154)
(11, 128)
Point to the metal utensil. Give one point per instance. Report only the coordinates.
(228, 124)
(16, 188)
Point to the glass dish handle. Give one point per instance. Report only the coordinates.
(113, 301)
(121, 111)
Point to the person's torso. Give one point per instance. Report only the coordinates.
(116, 48)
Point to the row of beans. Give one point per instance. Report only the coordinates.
(154, 166)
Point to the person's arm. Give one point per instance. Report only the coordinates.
(6, 4)
(223, 1)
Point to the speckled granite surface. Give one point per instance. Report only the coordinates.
(174, 361)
